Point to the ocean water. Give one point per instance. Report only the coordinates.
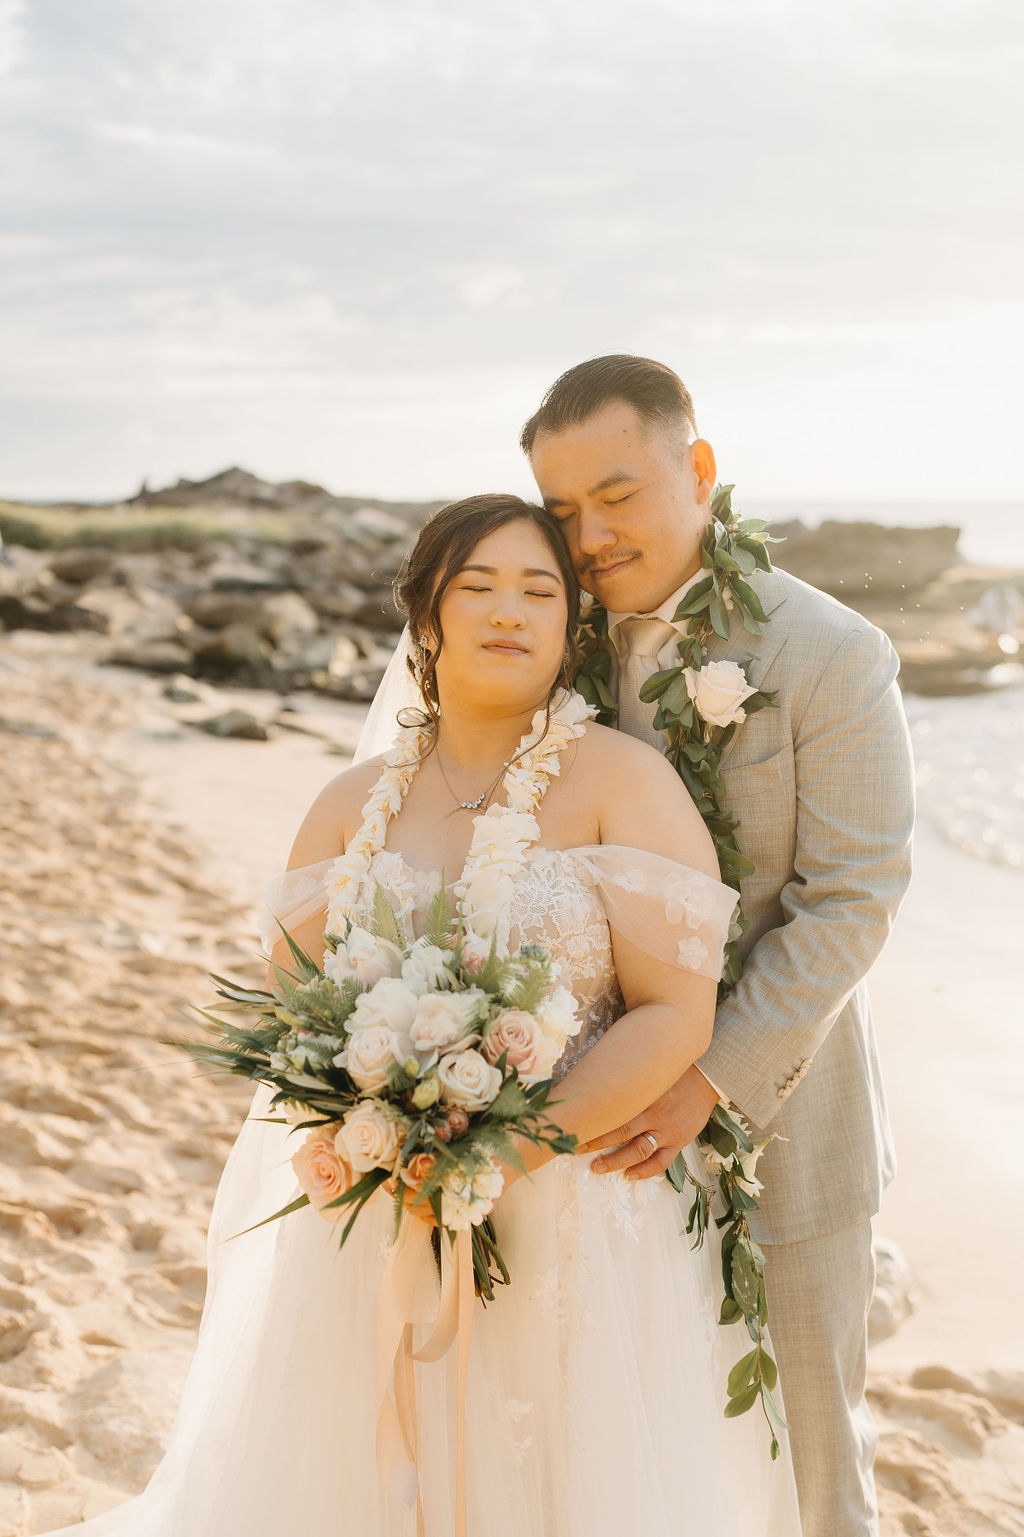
(992, 533)
(969, 756)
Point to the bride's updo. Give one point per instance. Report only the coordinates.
(445, 544)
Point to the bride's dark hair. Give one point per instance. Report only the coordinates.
(444, 546)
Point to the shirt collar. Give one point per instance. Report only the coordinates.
(664, 611)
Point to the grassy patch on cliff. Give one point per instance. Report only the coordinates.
(139, 528)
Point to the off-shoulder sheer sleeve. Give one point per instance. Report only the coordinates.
(670, 911)
(291, 898)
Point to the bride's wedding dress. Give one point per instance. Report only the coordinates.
(597, 1379)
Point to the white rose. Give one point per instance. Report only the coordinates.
(389, 1002)
(441, 1019)
(370, 1054)
(426, 968)
(557, 1015)
(365, 957)
(468, 1081)
(718, 691)
(367, 1139)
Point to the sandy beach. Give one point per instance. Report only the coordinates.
(134, 851)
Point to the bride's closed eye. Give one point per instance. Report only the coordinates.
(467, 587)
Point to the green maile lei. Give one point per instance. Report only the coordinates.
(732, 549)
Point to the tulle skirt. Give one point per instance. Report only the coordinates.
(595, 1392)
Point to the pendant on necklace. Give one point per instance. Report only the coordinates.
(472, 805)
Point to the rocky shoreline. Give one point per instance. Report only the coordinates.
(287, 587)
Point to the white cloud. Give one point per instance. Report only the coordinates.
(253, 211)
(12, 34)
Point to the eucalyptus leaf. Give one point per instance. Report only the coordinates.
(773, 1409)
(677, 1174)
(742, 1402)
(746, 595)
(694, 601)
(744, 1279)
(657, 683)
(769, 1370)
(742, 1374)
(721, 1115)
(677, 696)
(719, 617)
(721, 502)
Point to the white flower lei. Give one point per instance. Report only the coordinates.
(501, 834)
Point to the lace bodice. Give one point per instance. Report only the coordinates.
(567, 900)
(555, 904)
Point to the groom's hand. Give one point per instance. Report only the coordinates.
(673, 1120)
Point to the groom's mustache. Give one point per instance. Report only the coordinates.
(602, 562)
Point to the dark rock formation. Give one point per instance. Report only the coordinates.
(849, 560)
(305, 599)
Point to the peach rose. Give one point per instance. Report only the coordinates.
(322, 1171)
(418, 1169)
(529, 1049)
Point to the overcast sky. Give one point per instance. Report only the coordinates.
(354, 240)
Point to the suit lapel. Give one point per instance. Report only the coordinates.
(742, 646)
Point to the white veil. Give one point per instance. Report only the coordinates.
(397, 691)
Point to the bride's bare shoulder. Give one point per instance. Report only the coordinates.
(641, 800)
(335, 814)
(606, 751)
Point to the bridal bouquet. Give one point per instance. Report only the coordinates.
(408, 1065)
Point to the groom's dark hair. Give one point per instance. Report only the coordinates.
(657, 394)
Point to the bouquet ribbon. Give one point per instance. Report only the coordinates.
(397, 1421)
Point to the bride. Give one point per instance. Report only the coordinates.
(597, 1379)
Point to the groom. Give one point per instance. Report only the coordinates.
(821, 787)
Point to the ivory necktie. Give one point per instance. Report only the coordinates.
(638, 641)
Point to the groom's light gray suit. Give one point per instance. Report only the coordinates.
(822, 788)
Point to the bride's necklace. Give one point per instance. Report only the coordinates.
(501, 834)
(484, 794)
